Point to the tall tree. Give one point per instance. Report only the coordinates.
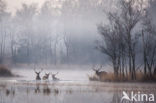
(149, 46)
(125, 20)
(4, 20)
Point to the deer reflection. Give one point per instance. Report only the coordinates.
(10, 92)
(37, 89)
(69, 91)
(56, 92)
(7, 92)
(46, 90)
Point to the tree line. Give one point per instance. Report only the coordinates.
(129, 40)
(48, 34)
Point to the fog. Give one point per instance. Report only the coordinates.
(52, 31)
(81, 50)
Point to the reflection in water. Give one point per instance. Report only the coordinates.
(69, 91)
(56, 92)
(7, 92)
(37, 89)
(116, 97)
(10, 92)
(39, 93)
(27, 91)
(46, 90)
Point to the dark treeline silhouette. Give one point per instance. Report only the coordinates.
(129, 40)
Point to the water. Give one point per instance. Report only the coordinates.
(73, 87)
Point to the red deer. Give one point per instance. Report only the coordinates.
(99, 73)
(46, 76)
(38, 74)
(54, 76)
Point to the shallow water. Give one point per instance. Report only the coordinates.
(73, 87)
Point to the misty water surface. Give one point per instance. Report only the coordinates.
(73, 87)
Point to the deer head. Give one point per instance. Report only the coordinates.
(100, 74)
(47, 75)
(97, 70)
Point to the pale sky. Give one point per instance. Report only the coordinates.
(13, 5)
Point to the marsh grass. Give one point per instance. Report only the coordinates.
(110, 77)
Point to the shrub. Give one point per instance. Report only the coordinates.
(5, 72)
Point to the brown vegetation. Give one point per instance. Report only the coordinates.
(5, 72)
(110, 77)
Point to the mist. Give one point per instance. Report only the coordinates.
(84, 51)
(55, 32)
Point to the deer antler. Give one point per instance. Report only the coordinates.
(35, 70)
(100, 67)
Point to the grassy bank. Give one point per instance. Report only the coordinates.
(110, 77)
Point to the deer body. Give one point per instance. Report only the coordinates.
(54, 77)
(100, 74)
(46, 76)
(38, 74)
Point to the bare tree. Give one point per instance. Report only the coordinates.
(25, 16)
(149, 46)
(119, 38)
(4, 17)
(131, 14)
(110, 46)
(67, 42)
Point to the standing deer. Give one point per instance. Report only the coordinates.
(46, 76)
(99, 73)
(54, 76)
(38, 74)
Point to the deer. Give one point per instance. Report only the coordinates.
(46, 76)
(54, 76)
(38, 74)
(99, 73)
